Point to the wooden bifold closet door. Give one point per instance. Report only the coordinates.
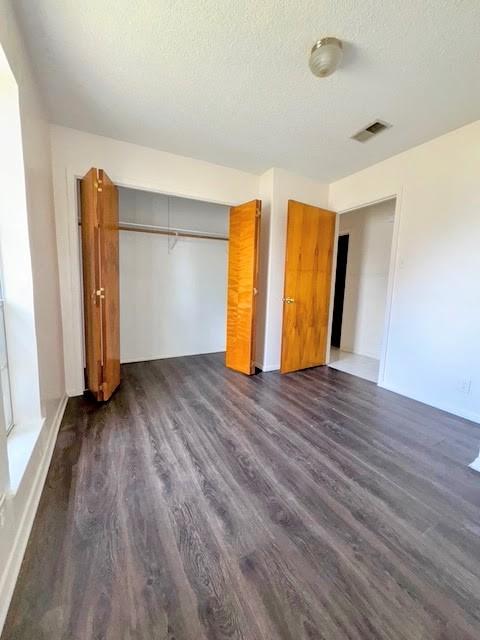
(244, 230)
(99, 210)
(308, 275)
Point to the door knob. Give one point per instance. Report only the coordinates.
(288, 300)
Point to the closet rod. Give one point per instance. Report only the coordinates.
(164, 231)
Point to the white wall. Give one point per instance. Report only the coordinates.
(30, 445)
(127, 165)
(172, 303)
(370, 231)
(277, 187)
(433, 350)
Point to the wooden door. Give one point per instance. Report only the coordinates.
(99, 204)
(308, 274)
(91, 282)
(242, 282)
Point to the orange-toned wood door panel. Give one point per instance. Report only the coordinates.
(91, 282)
(243, 250)
(308, 274)
(99, 211)
(110, 283)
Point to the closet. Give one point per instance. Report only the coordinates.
(164, 276)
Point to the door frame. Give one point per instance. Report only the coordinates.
(392, 272)
(68, 242)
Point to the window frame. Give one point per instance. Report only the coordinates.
(6, 396)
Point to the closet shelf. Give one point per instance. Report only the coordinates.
(166, 231)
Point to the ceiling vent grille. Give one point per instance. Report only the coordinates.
(372, 130)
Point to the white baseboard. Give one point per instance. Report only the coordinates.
(11, 569)
(468, 415)
(148, 358)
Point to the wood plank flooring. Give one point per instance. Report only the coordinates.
(202, 504)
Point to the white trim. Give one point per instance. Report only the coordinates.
(130, 183)
(392, 273)
(467, 415)
(75, 308)
(369, 203)
(21, 444)
(11, 569)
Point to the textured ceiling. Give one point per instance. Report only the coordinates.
(228, 80)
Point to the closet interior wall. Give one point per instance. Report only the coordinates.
(172, 290)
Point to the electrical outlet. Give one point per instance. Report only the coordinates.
(465, 386)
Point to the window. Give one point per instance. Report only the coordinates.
(19, 376)
(4, 375)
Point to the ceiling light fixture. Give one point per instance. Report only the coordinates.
(325, 57)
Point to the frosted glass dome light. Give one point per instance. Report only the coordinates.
(325, 57)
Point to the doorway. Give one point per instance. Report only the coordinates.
(340, 275)
(360, 299)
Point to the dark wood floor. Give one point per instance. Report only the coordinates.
(202, 504)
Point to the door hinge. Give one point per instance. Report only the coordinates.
(101, 382)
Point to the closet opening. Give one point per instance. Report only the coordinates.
(364, 244)
(173, 288)
(173, 255)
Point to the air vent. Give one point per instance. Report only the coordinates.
(373, 129)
